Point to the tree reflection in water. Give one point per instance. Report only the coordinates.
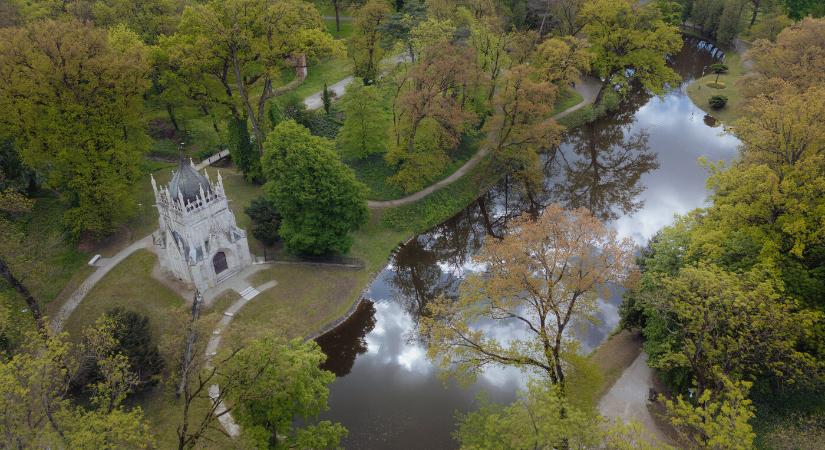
(345, 342)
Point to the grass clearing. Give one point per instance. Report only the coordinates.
(129, 285)
(303, 301)
(699, 90)
(566, 99)
(327, 70)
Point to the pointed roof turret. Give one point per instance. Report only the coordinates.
(186, 182)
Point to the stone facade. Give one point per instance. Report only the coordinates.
(198, 240)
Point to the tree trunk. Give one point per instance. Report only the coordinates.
(171, 112)
(259, 135)
(31, 302)
(337, 15)
(755, 12)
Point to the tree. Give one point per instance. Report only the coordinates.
(630, 42)
(797, 58)
(133, 338)
(253, 40)
(71, 96)
(364, 46)
(366, 124)
(718, 69)
(35, 411)
(241, 149)
(545, 275)
(717, 101)
(326, 98)
(561, 61)
(266, 221)
(783, 128)
(283, 383)
(740, 326)
(401, 23)
(717, 420)
(730, 22)
(433, 115)
(319, 198)
(521, 125)
(543, 417)
(799, 9)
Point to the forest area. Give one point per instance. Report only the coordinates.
(96, 95)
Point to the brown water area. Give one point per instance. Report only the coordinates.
(635, 169)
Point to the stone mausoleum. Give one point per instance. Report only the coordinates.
(199, 241)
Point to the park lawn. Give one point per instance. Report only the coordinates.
(328, 70)
(699, 91)
(566, 99)
(304, 300)
(374, 171)
(129, 285)
(346, 27)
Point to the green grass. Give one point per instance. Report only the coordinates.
(699, 91)
(129, 285)
(329, 70)
(304, 300)
(346, 28)
(374, 171)
(567, 98)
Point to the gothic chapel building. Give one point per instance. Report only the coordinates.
(199, 241)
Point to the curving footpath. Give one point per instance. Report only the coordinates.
(627, 400)
(588, 89)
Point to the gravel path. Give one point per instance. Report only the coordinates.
(627, 399)
(588, 89)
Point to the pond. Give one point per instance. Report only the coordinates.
(635, 169)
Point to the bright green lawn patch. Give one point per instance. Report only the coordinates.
(328, 70)
(700, 91)
(305, 299)
(129, 285)
(346, 28)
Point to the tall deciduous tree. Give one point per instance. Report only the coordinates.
(563, 60)
(283, 383)
(546, 274)
(630, 42)
(71, 96)
(364, 46)
(35, 411)
(246, 44)
(738, 326)
(521, 125)
(797, 57)
(366, 123)
(783, 128)
(318, 196)
(431, 115)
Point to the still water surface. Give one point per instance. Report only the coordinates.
(635, 169)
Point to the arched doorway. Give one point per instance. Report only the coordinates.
(219, 262)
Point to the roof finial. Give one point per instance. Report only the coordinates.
(180, 153)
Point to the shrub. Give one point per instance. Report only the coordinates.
(718, 101)
(266, 221)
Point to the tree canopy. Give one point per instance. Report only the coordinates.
(319, 198)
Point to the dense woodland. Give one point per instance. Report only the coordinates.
(730, 299)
